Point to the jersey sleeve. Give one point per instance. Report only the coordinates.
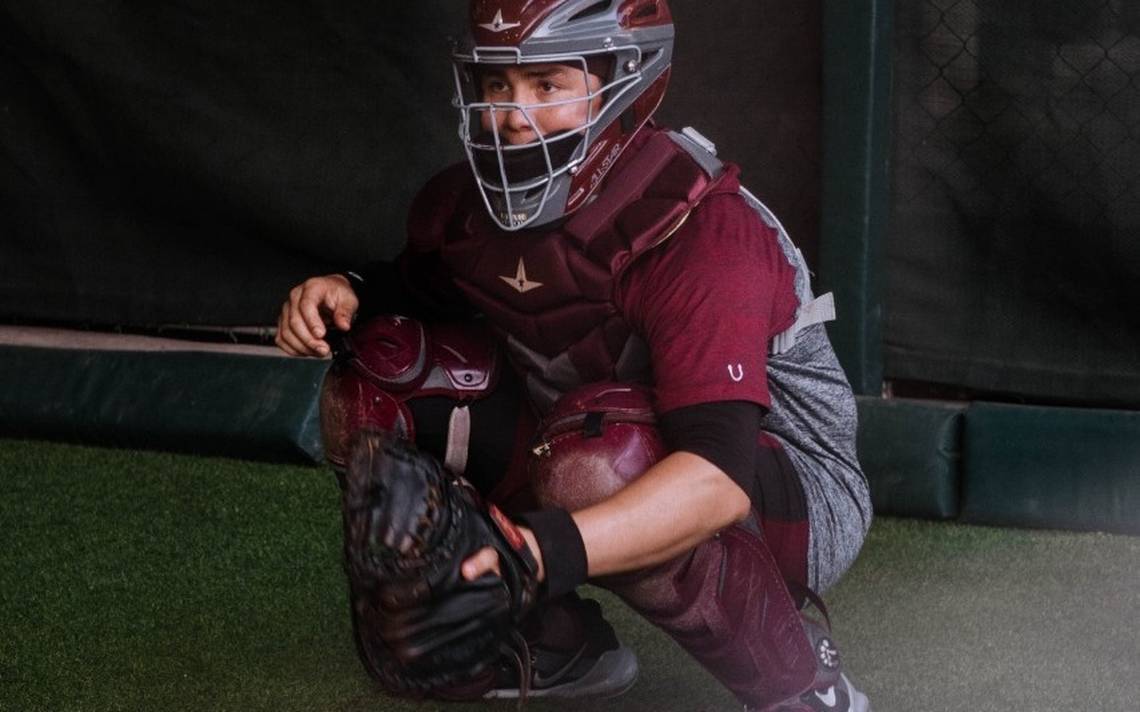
(708, 302)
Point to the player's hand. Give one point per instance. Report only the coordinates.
(486, 560)
(312, 306)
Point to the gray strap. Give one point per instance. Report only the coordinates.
(817, 311)
(702, 150)
(458, 440)
(812, 310)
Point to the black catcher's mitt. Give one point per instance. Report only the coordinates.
(420, 627)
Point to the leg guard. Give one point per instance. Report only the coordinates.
(726, 601)
(441, 386)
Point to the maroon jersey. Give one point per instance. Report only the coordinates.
(668, 277)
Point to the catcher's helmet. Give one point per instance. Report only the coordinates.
(628, 43)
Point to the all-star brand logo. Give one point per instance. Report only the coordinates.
(607, 163)
(497, 25)
(828, 654)
(520, 281)
(514, 218)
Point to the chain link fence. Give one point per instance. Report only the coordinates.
(1016, 192)
(1042, 96)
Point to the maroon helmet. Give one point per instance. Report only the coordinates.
(627, 44)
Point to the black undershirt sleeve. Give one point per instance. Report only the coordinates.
(723, 432)
(415, 286)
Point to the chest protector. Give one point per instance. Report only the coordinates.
(550, 292)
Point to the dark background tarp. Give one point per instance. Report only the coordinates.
(187, 162)
(1014, 248)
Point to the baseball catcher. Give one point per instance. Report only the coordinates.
(673, 424)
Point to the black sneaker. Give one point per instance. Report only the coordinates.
(570, 651)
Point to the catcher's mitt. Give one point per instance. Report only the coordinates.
(420, 627)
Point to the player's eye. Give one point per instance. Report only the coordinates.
(494, 86)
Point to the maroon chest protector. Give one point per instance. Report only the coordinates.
(550, 291)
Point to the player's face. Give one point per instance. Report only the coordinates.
(541, 89)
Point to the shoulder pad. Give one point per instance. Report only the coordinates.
(435, 206)
(702, 150)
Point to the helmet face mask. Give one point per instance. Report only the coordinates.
(619, 72)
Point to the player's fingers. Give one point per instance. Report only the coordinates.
(302, 310)
(282, 336)
(344, 309)
(290, 308)
(310, 345)
(312, 296)
(331, 303)
(296, 331)
(343, 319)
(289, 342)
(486, 560)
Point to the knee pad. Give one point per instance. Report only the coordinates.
(594, 442)
(388, 363)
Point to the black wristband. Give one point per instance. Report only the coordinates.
(354, 279)
(562, 549)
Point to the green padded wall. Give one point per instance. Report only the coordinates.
(1052, 467)
(985, 463)
(260, 407)
(855, 198)
(911, 454)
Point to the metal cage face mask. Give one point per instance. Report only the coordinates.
(528, 184)
(626, 44)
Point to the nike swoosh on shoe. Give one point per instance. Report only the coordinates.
(543, 681)
(828, 699)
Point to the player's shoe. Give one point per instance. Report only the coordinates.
(831, 691)
(573, 653)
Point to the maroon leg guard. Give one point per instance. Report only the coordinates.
(725, 602)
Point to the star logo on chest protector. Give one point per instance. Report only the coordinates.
(520, 282)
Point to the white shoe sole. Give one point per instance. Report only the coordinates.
(859, 701)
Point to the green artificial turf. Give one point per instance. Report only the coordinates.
(137, 580)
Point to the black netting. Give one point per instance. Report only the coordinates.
(187, 162)
(1014, 250)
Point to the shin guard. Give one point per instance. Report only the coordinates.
(726, 601)
(727, 605)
